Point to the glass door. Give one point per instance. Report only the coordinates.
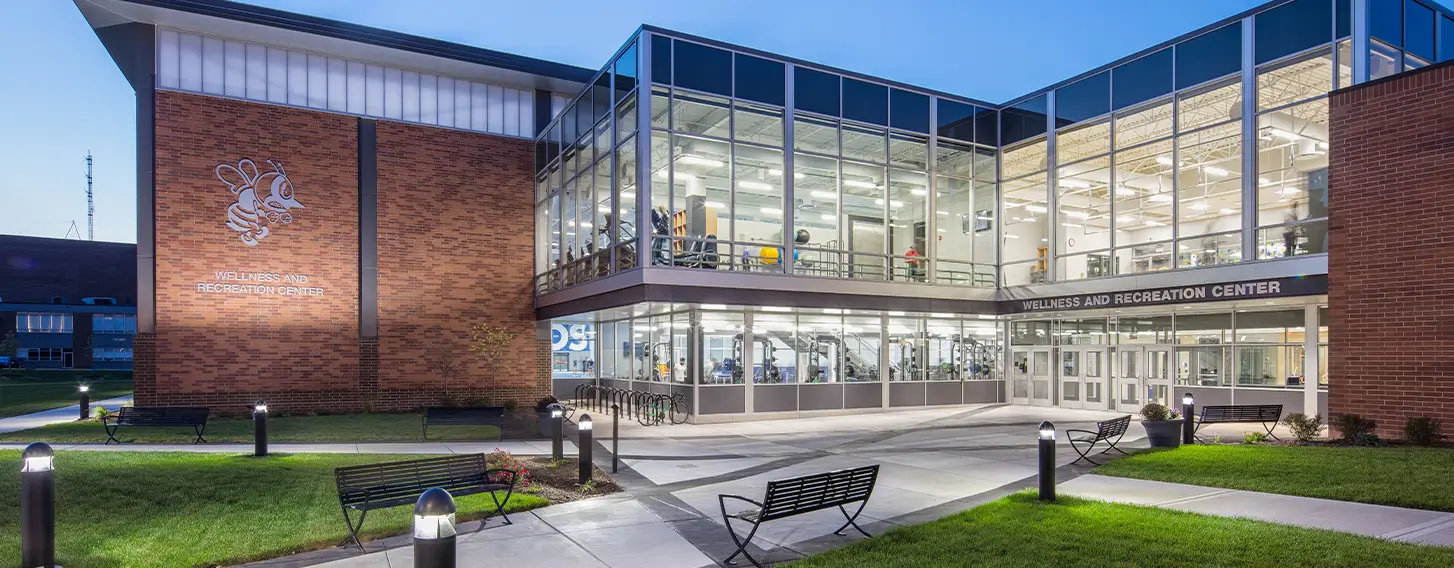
(1020, 376)
(1041, 377)
(1157, 376)
(1070, 377)
(1093, 379)
(1129, 368)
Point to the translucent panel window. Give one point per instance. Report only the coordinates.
(1270, 366)
(956, 120)
(776, 359)
(1301, 78)
(663, 159)
(864, 221)
(759, 79)
(955, 212)
(908, 203)
(818, 135)
(759, 124)
(815, 188)
(1144, 197)
(1030, 333)
(1142, 80)
(1083, 141)
(758, 206)
(1145, 123)
(1293, 180)
(702, 68)
(1205, 106)
(861, 345)
(942, 338)
(661, 107)
(700, 114)
(1138, 330)
(701, 190)
(1020, 122)
(821, 360)
(1419, 30)
(1081, 332)
(865, 143)
(1202, 357)
(1083, 100)
(722, 348)
(1383, 60)
(601, 213)
(816, 91)
(1026, 210)
(1209, 56)
(909, 151)
(570, 237)
(625, 183)
(1209, 196)
(1084, 199)
(907, 349)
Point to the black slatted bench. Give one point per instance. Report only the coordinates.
(1109, 432)
(363, 488)
(173, 416)
(798, 495)
(1265, 414)
(470, 416)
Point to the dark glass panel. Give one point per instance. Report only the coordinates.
(1446, 39)
(1293, 27)
(569, 130)
(1023, 121)
(956, 120)
(1142, 80)
(661, 59)
(1209, 56)
(552, 149)
(815, 91)
(865, 102)
(987, 126)
(702, 68)
(760, 80)
(583, 114)
(1386, 20)
(1086, 98)
(909, 111)
(601, 97)
(626, 72)
(1419, 30)
(1345, 18)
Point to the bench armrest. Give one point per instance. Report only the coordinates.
(514, 476)
(723, 497)
(108, 418)
(1096, 433)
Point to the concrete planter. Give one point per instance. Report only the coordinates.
(1163, 433)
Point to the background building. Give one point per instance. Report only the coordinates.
(71, 304)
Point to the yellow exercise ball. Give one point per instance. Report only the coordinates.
(769, 255)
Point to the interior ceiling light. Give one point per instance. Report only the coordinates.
(1199, 206)
(860, 184)
(1073, 225)
(1227, 211)
(1072, 183)
(1216, 171)
(1123, 191)
(779, 173)
(771, 211)
(919, 192)
(828, 216)
(699, 161)
(941, 212)
(1125, 219)
(1012, 236)
(1035, 209)
(717, 204)
(1152, 223)
(820, 194)
(1290, 191)
(748, 184)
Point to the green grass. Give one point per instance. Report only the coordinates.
(1399, 476)
(1018, 531)
(24, 392)
(368, 427)
(183, 509)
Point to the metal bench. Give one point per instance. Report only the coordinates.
(1110, 432)
(156, 416)
(363, 488)
(798, 495)
(1265, 414)
(471, 416)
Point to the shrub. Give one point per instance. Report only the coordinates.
(501, 459)
(1423, 430)
(1254, 438)
(511, 405)
(1154, 412)
(1352, 427)
(1303, 427)
(544, 403)
(101, 412)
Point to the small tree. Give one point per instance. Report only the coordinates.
(9, 347)
(490, 344)
(443, 358)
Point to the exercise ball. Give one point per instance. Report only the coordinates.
(769, 255)
(802, 237)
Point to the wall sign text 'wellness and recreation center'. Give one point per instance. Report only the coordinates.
(1196, 293)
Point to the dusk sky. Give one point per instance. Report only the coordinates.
(62, 94)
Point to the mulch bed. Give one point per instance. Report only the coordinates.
(557, 481)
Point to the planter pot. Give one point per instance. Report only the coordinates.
(544, 419)
(1163, 433)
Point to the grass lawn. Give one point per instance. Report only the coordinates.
(1018, 531)
(24, 392)
(183, 509)
(1400, 476)
(375, 427)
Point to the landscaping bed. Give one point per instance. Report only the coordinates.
(179, 509)
(1019, 531)
(347, 428)
(27, 391)
(1400, 476)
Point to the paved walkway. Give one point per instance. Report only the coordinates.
(517, 447)
(1393, 523)
(56, 416)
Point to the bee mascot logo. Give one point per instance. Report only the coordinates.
(263, 199)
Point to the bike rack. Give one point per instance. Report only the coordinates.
(647, 408)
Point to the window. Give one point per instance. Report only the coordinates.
(661, 59)
(626, 73)
(1383, 60)
(42, 323)
(759, 79)
(1022, 121)
(987, 127)
(1087, 98)
(111, 354)
(1386, 20)
(1142, 80)
(46, 353)
(956, 120)
(1270, 349)
(125, 324)
(1293, 180)
(909, 111)
(1292, 27)
(1307, 76)
(815, 91)
(1446, 38)
(1209, 56)
(865, 102)
(1419, 30)
(1203, 358)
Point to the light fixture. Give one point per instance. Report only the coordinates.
(919, 192)
(1164, 160)
(770, 210)
(1216, 171)
(984, 218)
(85, 388)
(828, 216)
(1047, 431)
(820, 194)
(1264, 182)
(775, 309)
(699, 161)
(1072, 183)
(1151, 223)
(37, 457)
(941, 212)
(1073, 225)
(584, 423)
(1012, 236)
(717, 204)
(1187, 399)
(1123, 191)
(777, 172)
(1290, 191)
(714, 306)
(748, 184)
(628, 195)
(1035, 209)
(1125, 219)
(860, 184)
(585, 224)
(1323, 145)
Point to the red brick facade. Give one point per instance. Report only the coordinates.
(1390, 271)
(223, 341)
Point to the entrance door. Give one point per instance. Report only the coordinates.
(1020, 376)
(1041, 377)
(1157, 377)
(1083, 378)
(1130, 365)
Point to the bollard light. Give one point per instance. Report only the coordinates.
(557, 430)
(434, 530)
(260, 428)
(583, 449)
(85, 401)
(37, 506)
(1047, 461)
(1188, 422)
(615, 435)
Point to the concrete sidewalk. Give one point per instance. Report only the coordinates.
(517, 447)
(56, 416)
(1391, 523)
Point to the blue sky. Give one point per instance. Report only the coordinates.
(62, 94)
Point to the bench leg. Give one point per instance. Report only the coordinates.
(851, 520)
(111, 432)
(742, 543)
(353, 528)
(500, 505)
(1084, 454)
(200, 429)
(1113, 445)
(1269, 430)
(425, 424)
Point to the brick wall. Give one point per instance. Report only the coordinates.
(456, 249)
(1391, 268)
(455, 235)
